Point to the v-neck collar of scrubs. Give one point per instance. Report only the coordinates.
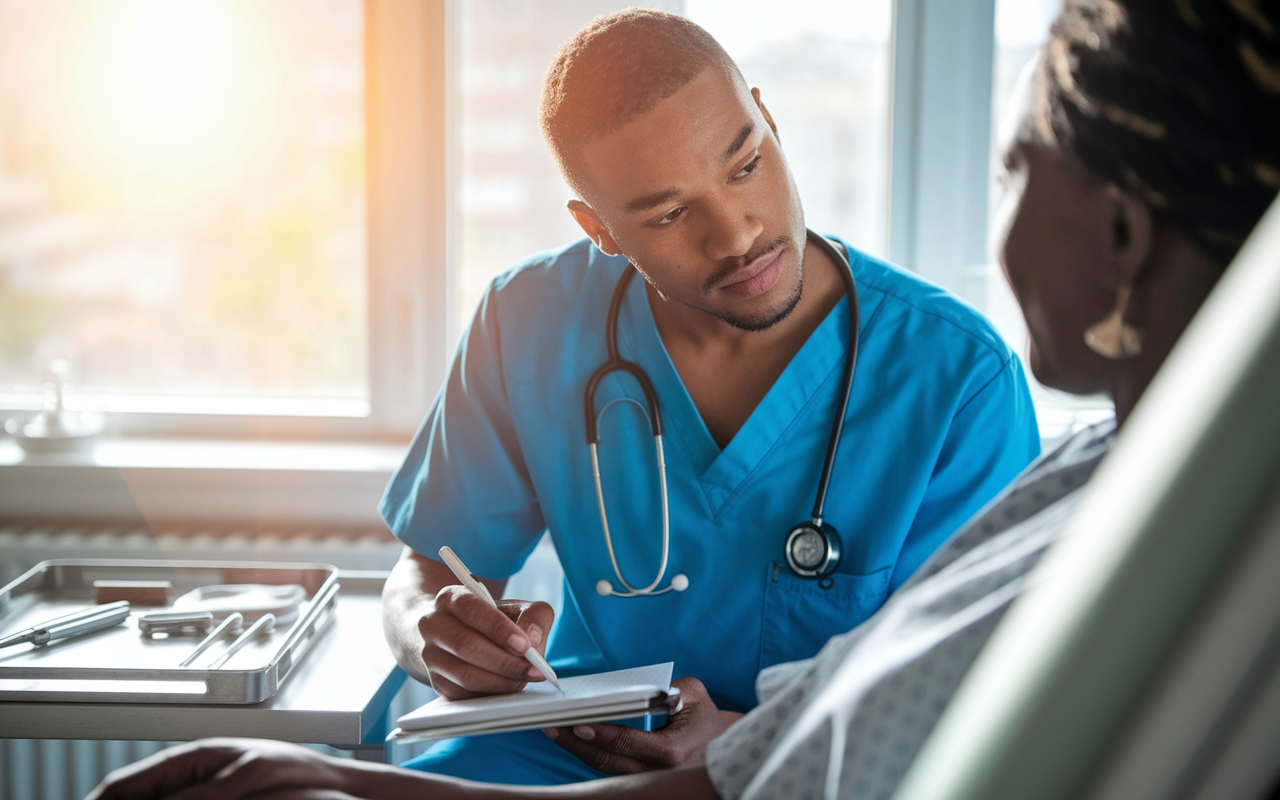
(722, 472)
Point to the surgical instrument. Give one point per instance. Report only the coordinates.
(233, 620)
(175, 623)
(264, 624)
(74, 624)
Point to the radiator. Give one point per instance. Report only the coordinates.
(69, 769)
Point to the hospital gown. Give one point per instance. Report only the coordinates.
(848, 722)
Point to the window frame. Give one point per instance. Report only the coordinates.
(940, 140)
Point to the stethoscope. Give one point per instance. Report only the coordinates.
(812, 549)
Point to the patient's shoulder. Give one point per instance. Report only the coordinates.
(1033, 508)
(1084, 447)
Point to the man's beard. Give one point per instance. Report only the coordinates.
(762, 321)
(767, 320)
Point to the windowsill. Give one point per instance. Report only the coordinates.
(154, 481)
(216, 454)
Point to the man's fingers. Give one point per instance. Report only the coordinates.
(472, 648)
(681, 742)
(591, 754)
(534, 619)
(452, 691)
(476, 613)
(647, 747)
(455, 637)
(469, 678)
(691, 690)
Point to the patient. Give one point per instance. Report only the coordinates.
(1146, 148)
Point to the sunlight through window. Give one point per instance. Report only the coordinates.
(182, 202)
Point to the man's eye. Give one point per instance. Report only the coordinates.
(671, 217)
(749, 168)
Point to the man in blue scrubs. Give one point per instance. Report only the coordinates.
(741, 322)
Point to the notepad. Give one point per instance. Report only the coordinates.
(602, 697)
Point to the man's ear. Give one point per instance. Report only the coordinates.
(591, 225)
(1132, 234)
(755, 94)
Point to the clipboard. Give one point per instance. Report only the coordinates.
(601, 697)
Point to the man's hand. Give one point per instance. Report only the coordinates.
(444, 635)
(228, 769)
(682, 742)
(471, 649)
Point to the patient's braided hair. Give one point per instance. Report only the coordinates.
(1175, 101)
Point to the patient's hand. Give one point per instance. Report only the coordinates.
(238, 769)
(226, 769)
(682, 742)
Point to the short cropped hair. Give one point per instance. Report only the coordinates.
(615, 69)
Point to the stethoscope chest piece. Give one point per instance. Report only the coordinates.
(812, 550)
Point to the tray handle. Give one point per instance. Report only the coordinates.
(284, 659)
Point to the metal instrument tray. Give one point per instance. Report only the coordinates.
(119, 665)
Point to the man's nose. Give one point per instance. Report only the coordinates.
(731, 231)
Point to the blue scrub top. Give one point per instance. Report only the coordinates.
(940, 419)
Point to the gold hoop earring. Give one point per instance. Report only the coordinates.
(1113, 337)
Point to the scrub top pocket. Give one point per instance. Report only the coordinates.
(798, 612)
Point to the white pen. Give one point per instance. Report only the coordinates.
(479, 590)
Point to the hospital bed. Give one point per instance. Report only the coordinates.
(1144, 661)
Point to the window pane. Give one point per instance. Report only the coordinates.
(823, 70)
(182, 204)
(822, 67)
(511, 197)
(1022, 26)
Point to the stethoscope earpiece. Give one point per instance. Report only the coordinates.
(678, 584)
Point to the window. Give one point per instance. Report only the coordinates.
(511, 198)
(1021, 27)
(823, 71)
(182, 204)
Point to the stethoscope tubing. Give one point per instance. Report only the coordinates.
(616, 363)
(631, 591)
(837, 425)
